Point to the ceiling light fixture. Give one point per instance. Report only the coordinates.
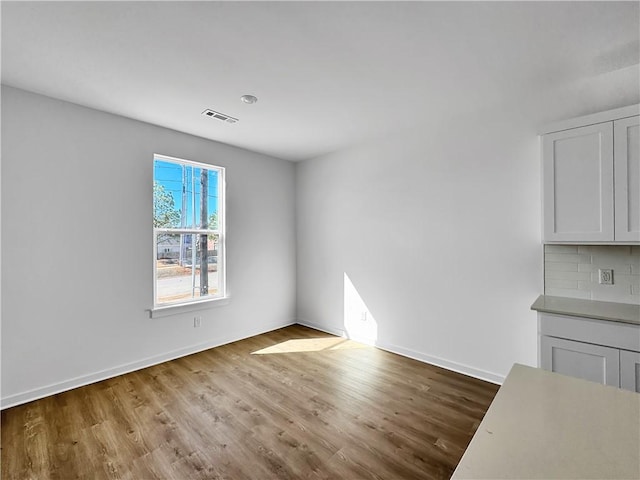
(250, 99)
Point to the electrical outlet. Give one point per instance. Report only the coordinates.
(197, 322)
(605, 276)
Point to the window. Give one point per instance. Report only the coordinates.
(188, 232)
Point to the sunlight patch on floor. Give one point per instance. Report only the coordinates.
(311, 345)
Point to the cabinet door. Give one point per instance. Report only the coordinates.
(630, 370)
(627, 178)
(577, 169)
(582, 360)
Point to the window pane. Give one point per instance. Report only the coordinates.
(203, 212)
(178, 196)
(167, 195)
(179, 275)
(212, 203)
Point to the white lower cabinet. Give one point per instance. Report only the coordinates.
(630, 370)
(582, 360)
(596, 350)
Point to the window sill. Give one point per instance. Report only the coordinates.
(168, 310)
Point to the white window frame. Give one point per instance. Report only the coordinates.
(221, 294)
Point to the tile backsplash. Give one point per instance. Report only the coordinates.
(572, 271)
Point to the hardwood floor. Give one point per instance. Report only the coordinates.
(290, 404)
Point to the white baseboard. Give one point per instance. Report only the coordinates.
(441, 362)
(420, 356)
(52, 389)
(333, 331)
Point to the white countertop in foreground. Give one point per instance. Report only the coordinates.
(611, 311)
(543, 425)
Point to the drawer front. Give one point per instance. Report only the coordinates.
(600, 332)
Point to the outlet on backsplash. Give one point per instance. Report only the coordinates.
(609, 273)
(605, 276)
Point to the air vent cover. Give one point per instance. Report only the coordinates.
(219, 116)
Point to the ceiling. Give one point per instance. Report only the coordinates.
(328, 75)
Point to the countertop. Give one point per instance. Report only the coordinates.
(611, 311)
(543, 425)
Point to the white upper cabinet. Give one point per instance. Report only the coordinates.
(591, 179)
(627, 178)
(578, 184)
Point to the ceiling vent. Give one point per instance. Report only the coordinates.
(219, 116)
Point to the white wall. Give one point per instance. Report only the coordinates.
(432, 232)
(77, 246)
(437, 229)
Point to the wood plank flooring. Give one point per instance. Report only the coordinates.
(294, 403)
